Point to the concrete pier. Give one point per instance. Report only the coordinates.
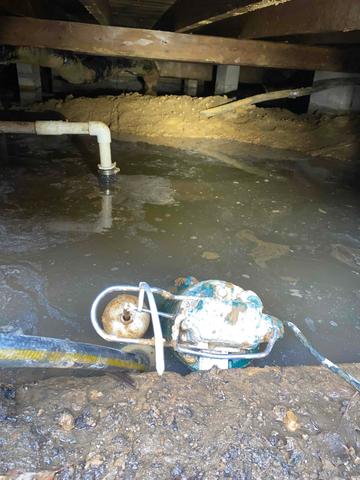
(338, 99)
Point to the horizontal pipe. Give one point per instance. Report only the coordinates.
(17, 127)
(59, 127)
(98, 129)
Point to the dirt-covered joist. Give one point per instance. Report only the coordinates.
(153, 44)
(187, 15)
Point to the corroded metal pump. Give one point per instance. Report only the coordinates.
(209, 323)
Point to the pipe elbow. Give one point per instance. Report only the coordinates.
(101, 131)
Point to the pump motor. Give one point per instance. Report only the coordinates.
(208, 323)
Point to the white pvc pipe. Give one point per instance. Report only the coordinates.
(98, 129)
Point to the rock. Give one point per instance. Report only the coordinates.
(279, 412)
(66, 421)
(94, 460)
(85, 421)
(95, 394)
(210, 255)
(291, 421)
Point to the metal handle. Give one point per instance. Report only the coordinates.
(231, 356)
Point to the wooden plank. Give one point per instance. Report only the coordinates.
(295, 18)
(187, 15)
(292, 93)
(152, 44)
(99, 9)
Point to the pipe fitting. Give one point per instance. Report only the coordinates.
(103, 134)
(58, 127)
(101, 131)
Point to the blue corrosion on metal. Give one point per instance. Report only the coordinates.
(202, 289)
(200, 305)
(255, 301)
(245, 306)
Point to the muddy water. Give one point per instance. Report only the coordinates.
(285, 227)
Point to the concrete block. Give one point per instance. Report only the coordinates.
(338, 99)
(227, 79)
(29, 83)
(191, 87)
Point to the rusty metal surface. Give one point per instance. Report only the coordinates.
(121, 317)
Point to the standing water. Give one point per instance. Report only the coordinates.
(281, 226)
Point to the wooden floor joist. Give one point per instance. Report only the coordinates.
(99, 9)
(152, 44)
(187, 15)
(298, 17)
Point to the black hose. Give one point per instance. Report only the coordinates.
(44, 352)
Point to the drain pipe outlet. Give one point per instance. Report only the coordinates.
(98, 129)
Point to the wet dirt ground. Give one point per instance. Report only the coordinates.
(277, 222)
(273, 423)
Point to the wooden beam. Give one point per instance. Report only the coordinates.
(99, 9)
(187, 15)
(298, 17)
(153, 44)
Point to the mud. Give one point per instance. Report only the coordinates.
(254, 423)
(176, 121)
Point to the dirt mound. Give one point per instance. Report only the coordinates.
(172, 120)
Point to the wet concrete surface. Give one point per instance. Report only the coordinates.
(271, 221)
